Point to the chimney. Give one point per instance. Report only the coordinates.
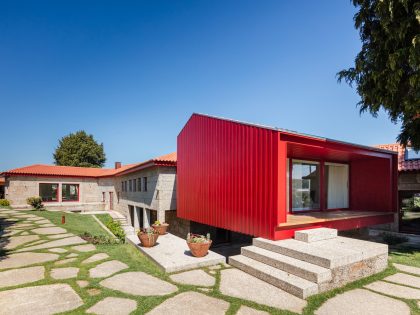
(117, 165)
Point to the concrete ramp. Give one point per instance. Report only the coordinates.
(315, 261)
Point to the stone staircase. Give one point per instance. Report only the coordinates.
(315, 261)
(128, 229)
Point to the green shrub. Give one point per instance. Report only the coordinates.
(116, 229)
(101, 239)
(35, 202)
(4, 203)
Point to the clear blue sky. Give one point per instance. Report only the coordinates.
(131, 73)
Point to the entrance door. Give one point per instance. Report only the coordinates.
(111, 200)
(131, 212)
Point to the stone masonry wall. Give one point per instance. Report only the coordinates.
(18, 188)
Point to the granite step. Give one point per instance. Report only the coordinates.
(290, 283)
(288, 264)
(324, 253)
(315, 235)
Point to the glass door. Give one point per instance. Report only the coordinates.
(305, 186)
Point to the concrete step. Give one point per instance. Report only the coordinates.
(288, 264)
(295, 285)
(315, 235)
(320, 255)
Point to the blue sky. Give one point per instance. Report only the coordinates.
(131, 73)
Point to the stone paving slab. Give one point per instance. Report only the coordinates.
(57, 250)
(191, 303)
(95, 258)
(20, 276)
(172, 254)
(45, 300)
(26, 259)
(84, 248)
(36, 243)
(65, 261)
(64, 273)
(409, 269)
(245, 310)
(140, 284)
(113, 306)
(359, 301)
(196, 277)
(49, 230)
(44, 221)
(72, 255)
(15, 241)
(60, 235)
(82, 283)
(239, 284)
(106, 269)
(394, 290)
(47, 225)
(56, 243)
(404, 279)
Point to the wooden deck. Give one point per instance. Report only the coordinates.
(309, 218)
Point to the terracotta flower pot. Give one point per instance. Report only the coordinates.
(161, 228)
(199, 249)
(148, 240)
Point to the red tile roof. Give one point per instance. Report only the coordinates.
(72, 171)
(403, 165)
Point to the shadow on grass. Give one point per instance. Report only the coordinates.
(4, 238)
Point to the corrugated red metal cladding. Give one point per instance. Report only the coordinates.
(233, 175)
(228, 175)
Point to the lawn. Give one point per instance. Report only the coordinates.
(126, 253)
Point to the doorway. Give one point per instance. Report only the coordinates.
(131, 214)
(111, 200)
(410, 212)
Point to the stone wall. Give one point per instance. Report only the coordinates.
(177, 226)
(18, 188)
(160, 195)
(409, 181)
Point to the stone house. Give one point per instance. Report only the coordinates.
(143, 192)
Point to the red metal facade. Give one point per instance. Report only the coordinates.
(228, 175)
(233, 175)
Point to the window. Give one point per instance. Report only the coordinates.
(305, 186)
(130, 185)
(134, 185)
(103, 196)
(125, 185)
(48, 192)
(144, 183)
(139, 183)
(118, 197)
(336, 181)
(122, 186)
(411, 154)
(70, 192)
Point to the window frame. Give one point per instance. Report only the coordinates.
(57, 191)
(322, 197)
(139, 184)
(145, 183)
(406, 153)
(78, 192)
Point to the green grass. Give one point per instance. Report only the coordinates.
(77, 224)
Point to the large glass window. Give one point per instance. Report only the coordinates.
(48, 192)
(305, 186)
(336, 178)
(70, 192)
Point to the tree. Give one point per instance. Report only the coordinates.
(387, 69)
(79, 149)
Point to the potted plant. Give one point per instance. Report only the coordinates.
(160, 227)
(148, 237)
(199, 244)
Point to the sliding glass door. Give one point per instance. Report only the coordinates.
(336, 177)
(318, 185)
(305, 186)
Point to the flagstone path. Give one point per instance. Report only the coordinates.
(48, 270)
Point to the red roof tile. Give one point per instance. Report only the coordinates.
(403, 164)
(72, 171)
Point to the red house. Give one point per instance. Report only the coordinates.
(269, 182)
